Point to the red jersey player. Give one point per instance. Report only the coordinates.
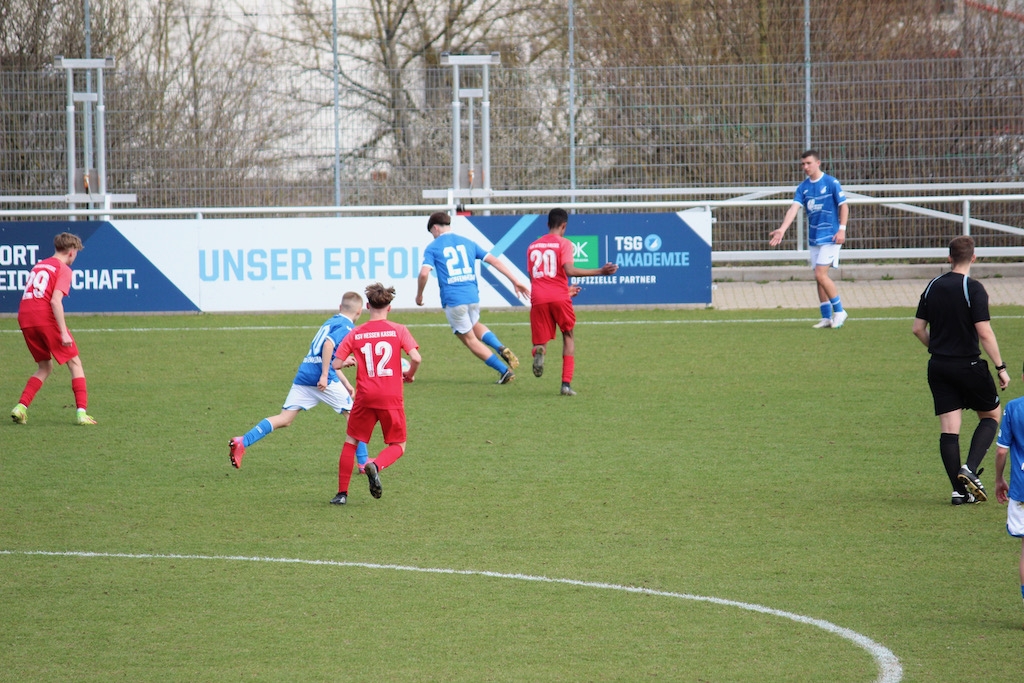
(550, 262)
(377, 346)
(41, 318)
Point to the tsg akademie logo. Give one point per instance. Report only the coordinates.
(646, 252)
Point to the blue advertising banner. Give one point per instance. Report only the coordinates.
(110, 274)
(663, 258)
(293, 264)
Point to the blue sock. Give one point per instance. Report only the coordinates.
(1022, 591)
(258, 432)
(826, 309)
(837, 306)
(497, 364)
(361, 453)
(491, 340)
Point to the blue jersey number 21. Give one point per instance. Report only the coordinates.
(457, 260)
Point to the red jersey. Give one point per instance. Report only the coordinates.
(546, 259)
(377, 346)
(47, 275)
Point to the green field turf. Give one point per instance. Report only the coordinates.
(739, 456)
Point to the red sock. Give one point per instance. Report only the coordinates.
(568, 366)
(81, 394)
(388, 456)
(345, 464)
(31, 387)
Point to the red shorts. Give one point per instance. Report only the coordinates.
(362, 420)
(44, 342)
(544, 318)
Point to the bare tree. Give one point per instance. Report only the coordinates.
(203, 113)
(32, 94)
(389, 70)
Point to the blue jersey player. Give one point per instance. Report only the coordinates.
(453, 259)
(1011, 441)
(317, 381)
(822, 197)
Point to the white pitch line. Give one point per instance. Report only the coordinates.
(268, 328)
(890, 669)
(579, 323)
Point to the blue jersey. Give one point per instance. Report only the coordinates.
(453, 259)
(312, 365)
(821, 200)
(1011, 435)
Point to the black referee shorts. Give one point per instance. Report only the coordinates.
(961, 383)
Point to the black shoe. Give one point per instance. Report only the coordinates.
(973, 484)
(507, 377)
(373, 476)
(538, 361)
(963, 499)
(339, 499)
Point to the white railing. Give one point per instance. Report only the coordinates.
(571, 201)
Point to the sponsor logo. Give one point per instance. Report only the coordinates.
(645, 252)
(584, 251)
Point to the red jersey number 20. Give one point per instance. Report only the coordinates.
(543, 263)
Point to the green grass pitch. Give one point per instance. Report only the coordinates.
(739, 456)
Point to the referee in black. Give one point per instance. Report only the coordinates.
(952, 320)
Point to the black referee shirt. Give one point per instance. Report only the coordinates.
(951, 304)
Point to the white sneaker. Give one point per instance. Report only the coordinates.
(824, 322)
(839, 318)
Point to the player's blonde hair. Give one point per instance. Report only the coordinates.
(67, 241)
(351, 302)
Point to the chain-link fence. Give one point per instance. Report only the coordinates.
(267, 137)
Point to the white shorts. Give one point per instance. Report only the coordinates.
(463, 318)
(1015, 518)
(303, 397)
(825, 255)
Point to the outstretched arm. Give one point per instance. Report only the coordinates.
(606, 269)
(521, 289)
(421, 284)
(775, 236)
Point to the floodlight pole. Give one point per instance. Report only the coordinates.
(337, 111)
(807, 74)
(485, 62)
(97, 65)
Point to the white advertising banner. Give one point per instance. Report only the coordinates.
(296, 264)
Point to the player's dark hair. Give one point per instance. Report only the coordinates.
(67, 241)
(438, 218)
(811, 153)
(378, 296)
(961, 249)
(557, 217)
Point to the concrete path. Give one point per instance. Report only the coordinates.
(755, 288)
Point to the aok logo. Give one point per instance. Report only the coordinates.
(584, 251)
